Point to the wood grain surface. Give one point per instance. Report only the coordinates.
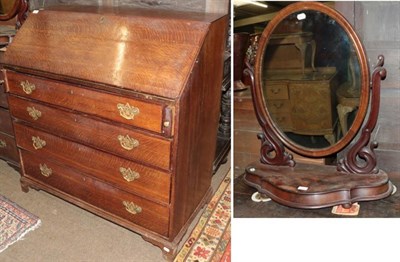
(148, 55)
(96, 192)
(152, 184)
(87, 101)
(152, 150)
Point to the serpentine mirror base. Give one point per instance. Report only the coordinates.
(314, 186)
(303, 99)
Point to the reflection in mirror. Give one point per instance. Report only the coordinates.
(6, 6)
(311, 79)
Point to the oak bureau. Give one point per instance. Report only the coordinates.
(116, 110)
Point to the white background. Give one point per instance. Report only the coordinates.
(316, 239)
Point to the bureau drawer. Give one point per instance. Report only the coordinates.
(124, 110)
(3, 97)
(276, 91)
(130, 144)
(5, 122)
(8, 148)
(138, 179)
(129, 207)
(283, 121)
(279, 106)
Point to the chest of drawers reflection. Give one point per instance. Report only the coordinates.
(304, 104)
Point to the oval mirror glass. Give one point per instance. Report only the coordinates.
(311, 80)
(6, 6)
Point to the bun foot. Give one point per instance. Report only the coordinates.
(24, 187)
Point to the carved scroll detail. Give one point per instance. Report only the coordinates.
(22, 13)
(361, 158)
(272, 150)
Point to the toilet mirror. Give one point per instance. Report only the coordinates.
(311, 93)
(311, 79)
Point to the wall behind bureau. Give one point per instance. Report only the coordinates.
(218, 6)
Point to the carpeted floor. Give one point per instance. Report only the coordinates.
(15, 222)
(210, 239)
(69, 233)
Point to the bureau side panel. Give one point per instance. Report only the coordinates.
(198, 115)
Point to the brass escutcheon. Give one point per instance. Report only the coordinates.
(276, 90)
(132, 207)
(34, 113)
(3, 143)
(127, 111)
(45, 170)
(128, 174)
(278, 105)
(127, 142)
(27, 87)
(38, 143)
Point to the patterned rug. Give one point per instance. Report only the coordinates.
(210, 240)
(15, 222)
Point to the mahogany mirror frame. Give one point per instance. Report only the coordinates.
(356, 177)
(19, 9)
(264, 116)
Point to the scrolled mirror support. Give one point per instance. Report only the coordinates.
(361, 158)
(22, 13)
(272, 151)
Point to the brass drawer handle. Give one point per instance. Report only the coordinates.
(38, 143)
(34, 113)
(132, 207)
(3, 144)
(127, 142)
(128, 174)
(127, 111)
(45, 170)
(276, 90)
(27, 87)
(278, 105)
(280, 118)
